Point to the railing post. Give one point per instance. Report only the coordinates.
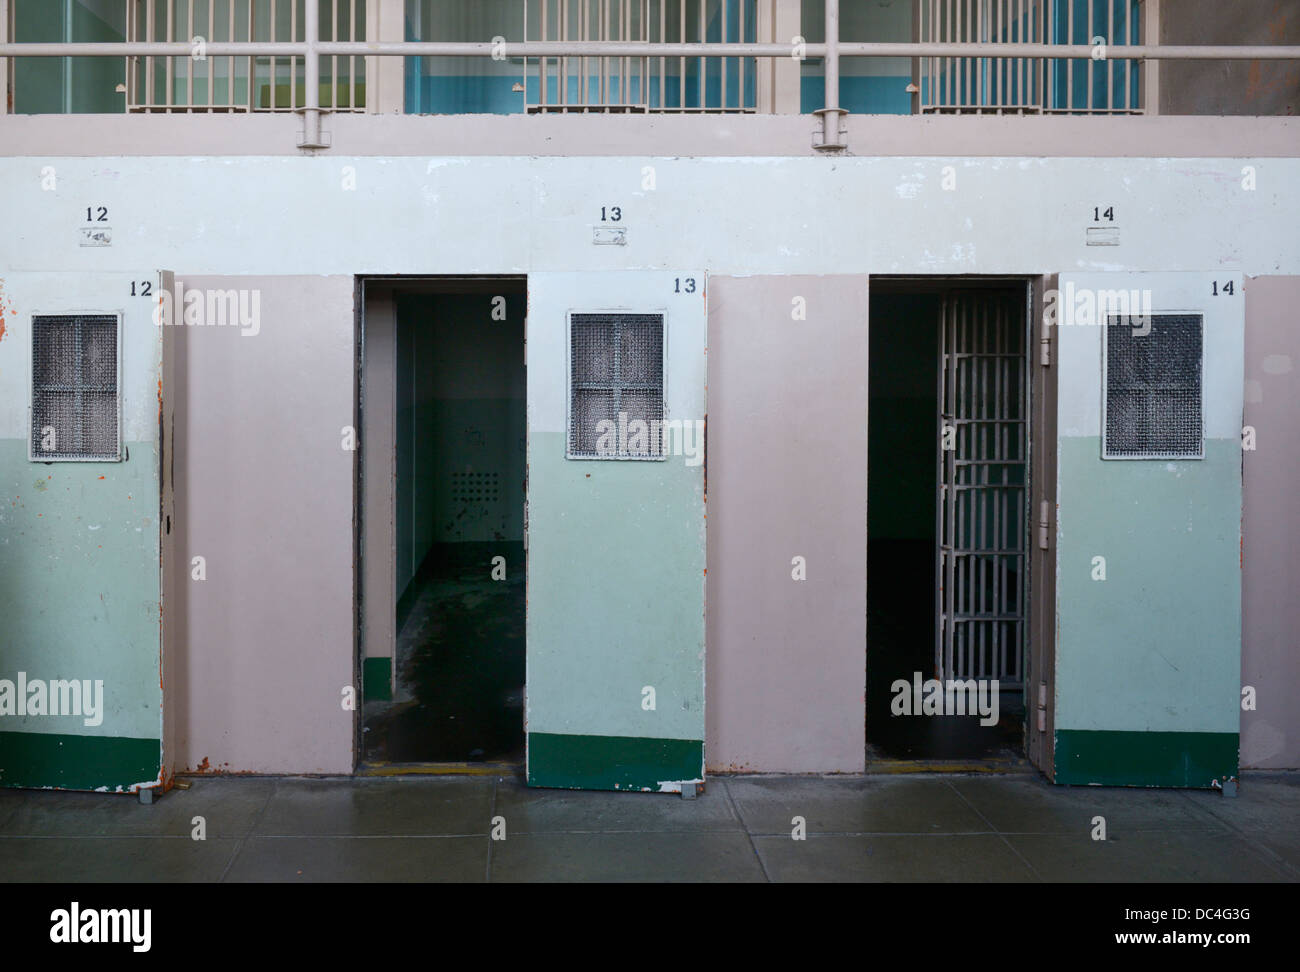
(832, 113)
(385, 85)
(1150, 72)
(311, 130)
(4, 61)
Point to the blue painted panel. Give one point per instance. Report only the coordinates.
(861, 95)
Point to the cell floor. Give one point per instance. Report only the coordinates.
(1006, 827)
(459, 692)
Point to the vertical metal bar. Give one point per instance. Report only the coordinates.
(230, 61)
(1022, 63)
(293, 61)
(352, 61)
(542, 68)
(959, 345)
(132, 63)
(1110, 65)
(999, 495)
(703, 36)
(171, 36)
(1069, 62)
(275, 61)
(252, 62)
(681, 65)
(663, 62)
(742, 63)
(722, 61)
(189, 61)
(150, 77)
(831, 117)
(968, 62)
(311, 117)
(210, 63)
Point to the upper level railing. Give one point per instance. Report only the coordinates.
(978, 59)
(231, 83)
(1022, 84)
(641, 84)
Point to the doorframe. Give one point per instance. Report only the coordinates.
(408, 284)
(1038, 651)
(1040, 659)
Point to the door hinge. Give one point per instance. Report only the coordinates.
(1042, 707)
(1045, 347)
(1044, 522)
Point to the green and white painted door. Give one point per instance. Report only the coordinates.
(615, 530)
(1149, 460)
(81, 391)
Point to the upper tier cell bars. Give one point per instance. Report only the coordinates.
(642, 84)
(999, 85)
(243, 83)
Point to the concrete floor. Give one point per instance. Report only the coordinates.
(877, 828)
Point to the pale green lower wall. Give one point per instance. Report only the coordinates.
(79, 584)
(605, 610)
(1157, 645)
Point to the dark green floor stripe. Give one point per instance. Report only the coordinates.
(611, 762)
(1145, 758)
(77, 762)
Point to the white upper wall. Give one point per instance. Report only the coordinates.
(287, 215)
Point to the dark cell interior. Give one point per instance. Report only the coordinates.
(902, 607)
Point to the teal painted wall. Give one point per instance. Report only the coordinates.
(1156, 645)
(40, 82)
(903, 406)
(868, 85)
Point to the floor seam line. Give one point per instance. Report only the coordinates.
(1001, 836)
(735, 808)
(251, 827)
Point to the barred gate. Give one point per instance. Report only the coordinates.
(981, 516)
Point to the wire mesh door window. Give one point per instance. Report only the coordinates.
(616, 386)
(75, 412)
(982, 487)
(1153, 388)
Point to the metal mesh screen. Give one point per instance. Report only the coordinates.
(74, 387)
(1153, 388)
(616, 386)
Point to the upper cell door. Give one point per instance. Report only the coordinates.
(1148, 555)
(82, 386)
(615, 530)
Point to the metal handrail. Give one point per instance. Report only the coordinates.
(1125, 52)
(312, 49)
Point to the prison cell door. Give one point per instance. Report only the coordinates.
(981, 499)
(1148, 531)
(83, 380)
(615, 531)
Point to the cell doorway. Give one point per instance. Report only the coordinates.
(442, 475)
(947, 577)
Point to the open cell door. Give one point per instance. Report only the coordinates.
(84, 373)
(1148, 530)
(615, 530)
